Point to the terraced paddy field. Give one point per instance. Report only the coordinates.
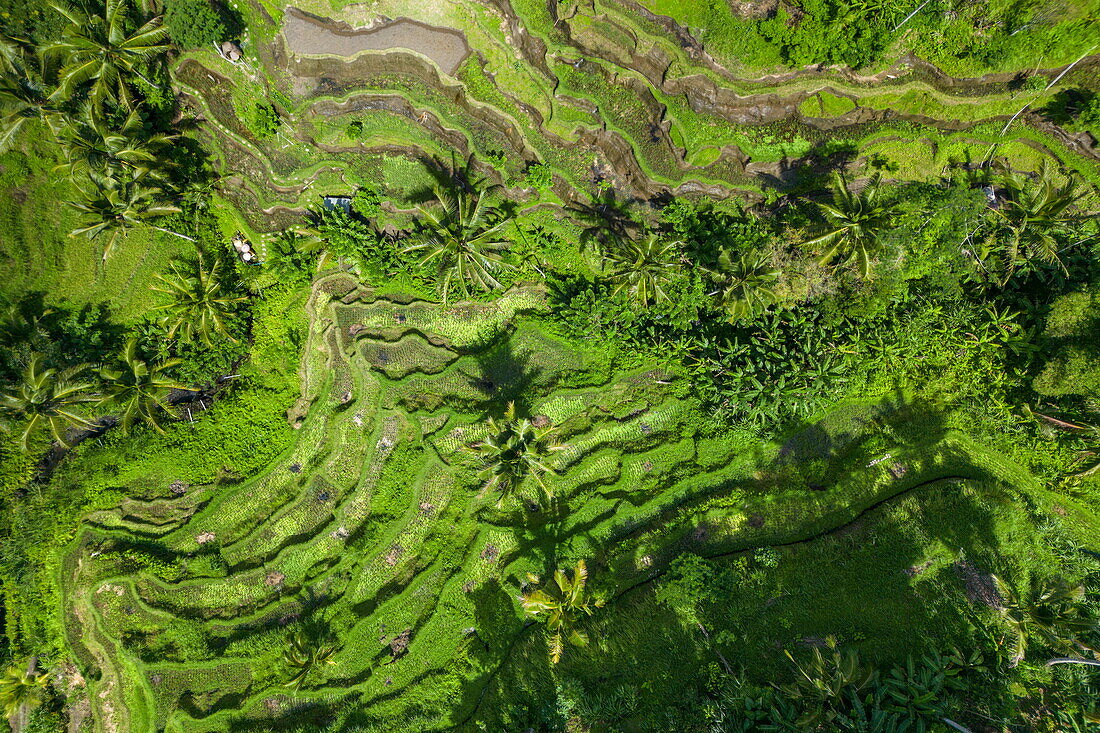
(373, 524)
(605, 91)
(310, 542)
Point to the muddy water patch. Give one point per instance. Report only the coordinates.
(312, 36)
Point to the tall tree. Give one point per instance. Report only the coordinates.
(201, 302)
(514, 450)
(562, 605)
(99, 54)
(23, 98)
(643, 267)
(124, 152)
(854, 224)
(45, 397)
(1036, 214)
(21, 690)
(464, 237)
(114, 206)
(745, 283)
(139, 391)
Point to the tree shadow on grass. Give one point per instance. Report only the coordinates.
(517, 691)
(504, 376)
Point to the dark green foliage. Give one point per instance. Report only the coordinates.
(772, 369)
(261, 119)
(538, 176)
(367, 203)
(292, 256)
(194, 23)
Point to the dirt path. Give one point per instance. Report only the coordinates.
(309, 35)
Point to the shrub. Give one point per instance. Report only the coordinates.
(767, 557)
(538, 176)
(194, 23)
(261, 119)
(367, 202)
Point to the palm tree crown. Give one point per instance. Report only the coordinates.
(854, 224)
(116, 206)
(21, 690)
(137, 389)
(1035, 212)
(464, 237)
(200, 305)
(22, 98)
(128, 152)
(562, 605)
(97, 53)
(303, 657)
(46, 397)
(744, 284)
(514, 450)
(643, 267)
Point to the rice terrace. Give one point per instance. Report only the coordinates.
(550, 365)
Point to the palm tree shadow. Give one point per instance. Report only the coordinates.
(505, 376)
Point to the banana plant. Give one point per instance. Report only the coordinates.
(21, 690)
(823, 682)
(1089, 457)
(1050, 614)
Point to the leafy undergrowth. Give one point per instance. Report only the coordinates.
(372, 531)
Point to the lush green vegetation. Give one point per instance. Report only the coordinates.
(632, 377)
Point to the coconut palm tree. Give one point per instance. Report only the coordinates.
(201, 303)
(127, 152)
(115, 206)
(138, 390)
(304, 657)
(292, 255)
(22, 98)
(854, 224)
(464, 237)
(11, 53)
(1036, 212)
(603, 218)
(515, 450)
(21, 690)
(45, 397)
(97, 53)
(744, 284)
(562, 605)
(643, 267)
(1051, 613)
